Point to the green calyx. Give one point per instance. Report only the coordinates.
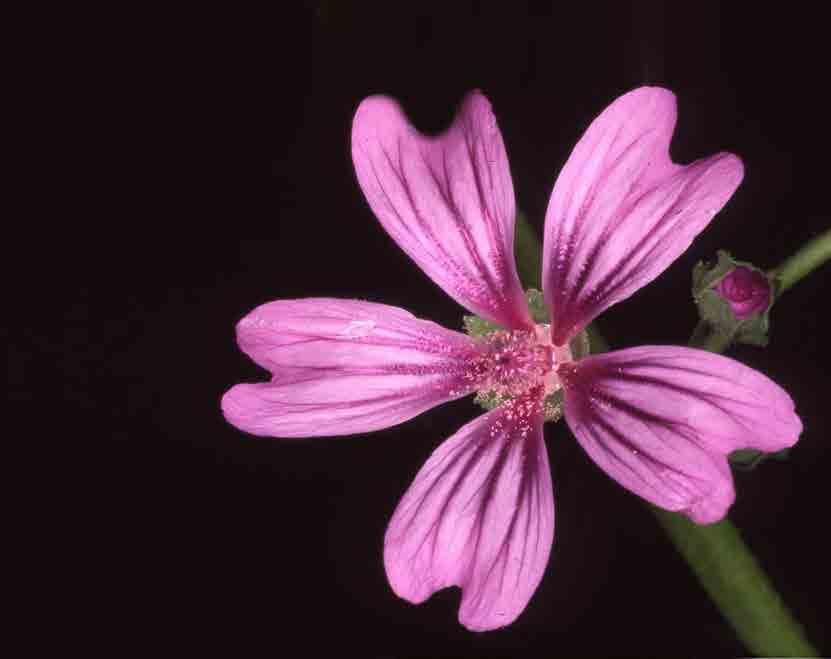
(716, 315)
(552, 406)
(477, 327)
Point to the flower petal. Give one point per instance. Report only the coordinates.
(448, 201)
(479, 515)
(661, 421)
(747, 292)
(621, 211)
(344, 366)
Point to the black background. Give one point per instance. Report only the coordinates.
(207, 538)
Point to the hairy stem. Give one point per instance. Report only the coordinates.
(804, 261)
(528, 253)
(732, 577)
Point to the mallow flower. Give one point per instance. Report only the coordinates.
(660, 420)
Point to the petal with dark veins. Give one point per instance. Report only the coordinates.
(621, 211)
(344, 366)
(479, 515)
(661, 420)
(448, 201)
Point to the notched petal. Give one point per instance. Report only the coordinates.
(448, 201)
(661, 420)
(479, 515)
(621, 211)
(344, 366)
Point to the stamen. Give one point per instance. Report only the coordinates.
(515, 361)
(516, 364)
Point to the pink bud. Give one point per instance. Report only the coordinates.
(747, 291)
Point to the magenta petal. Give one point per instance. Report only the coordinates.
(448, 201)
(344, 366)
(479, 515)
(747, 292)
(661, 421)
(621, 211)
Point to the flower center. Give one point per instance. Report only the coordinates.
(515, 363)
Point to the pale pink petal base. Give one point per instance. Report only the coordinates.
(344, 366)
(661, 420)
(448, 201)
(479, 515)
(621, 211)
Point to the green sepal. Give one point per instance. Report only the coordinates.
(706, 275)
(490, 400)
(536, 306)
(746, 459)
(477, 327)
(552, 407)
(715, 310)
(754, 330)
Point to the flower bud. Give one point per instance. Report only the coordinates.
(747, 292)
(734, 299)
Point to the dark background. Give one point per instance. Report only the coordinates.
(205, 538)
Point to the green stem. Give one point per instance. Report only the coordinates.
(738, 586)
(528, 253)
(717, 555)
(804, 261)
(703, 337)
(724, 565)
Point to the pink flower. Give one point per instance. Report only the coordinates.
(746, 291)
(660, 420)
